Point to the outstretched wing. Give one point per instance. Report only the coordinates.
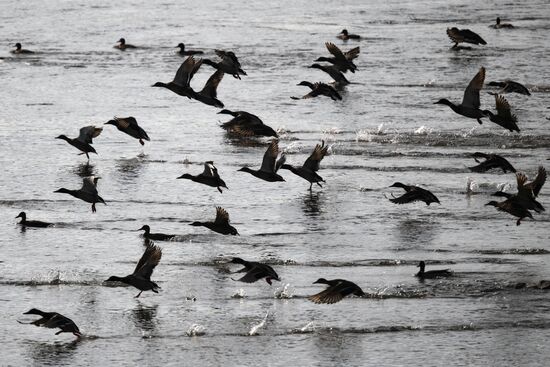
(87, 133)
(335, 51)
(222, 217)
(89, 184)
(312, 163)
(212, 84)
(538, 182)
(471, 94)
(209, 169)
(503, 108)
(149, 260)
(186, 71)
(270, 155)
(352, 54)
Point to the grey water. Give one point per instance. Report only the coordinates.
(385, 129)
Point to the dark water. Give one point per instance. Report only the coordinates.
(386, 129)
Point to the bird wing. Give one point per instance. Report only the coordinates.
(471, 94)
(330, 295)
(270, 155)
(209, 169)
(87, 133)
(503, 108)
(58, 321)
(212, 84)
(352, 54)
(89, 184)
(228, 57)
(222, 217)
(538, 182)
(334, 50)
(186, 71)
(408, 197)
(253, 275)
(312, 163)
(150, 258)
(125, 122)
(455, 35)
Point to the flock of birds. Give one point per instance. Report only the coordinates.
(245, 124)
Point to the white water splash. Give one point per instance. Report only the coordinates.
(254, 329)
(240, 294)
(309, 327)
(196, 330)
(284, 292)
(423, 130)
(363, 135)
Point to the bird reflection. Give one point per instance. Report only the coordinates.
(312, 203)
(414, 232)
(334, 347)
(84, 169)
(130, 168)
(52, 354)
(144, 317)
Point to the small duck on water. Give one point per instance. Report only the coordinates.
(122, 45)
(183, 52)
(345, 35)
(53, 320)
(32, 223)
(499, 25)
(155, 236)
(19, 50)
(422, 274)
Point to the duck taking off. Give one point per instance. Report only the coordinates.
(339, 63)
(308, 171)
(84, 140)
(470, 102)
(129, 125)
(414, 193)
(246, 124)
(255, 271)
(339, 78)
(504, 117)
(510, 86)
(422, 274)
(527, 191)
(229, 63)
(53, 320)
(220, 224)
(270, 164)
(464, 36)
(209, 177)
(491, 161)
(88, 192)
(319, 89)
(141, 277)
(336, 291)
(32, 223)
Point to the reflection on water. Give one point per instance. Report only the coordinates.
(312, 203)
(84, 169)
(413, 233)
(144, 317)
(130, 168)
(337, 347)
(51, 354)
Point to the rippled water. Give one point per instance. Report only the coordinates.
(386, 129)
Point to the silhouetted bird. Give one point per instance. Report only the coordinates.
(499, 25)
(432, 273)
(308, 171)
(229, 63)
(31, 223)
(510, 86)
(527, 192)
(184, 52)
(141, 277)
(491, 161)
(53, 320)
(342, 64)
(88, 192)
(504, 116)
(129, 125)
(414, 193)
(209, 177)
(246, 124)
(464, 35)
(344, 36)
(122, 45)
(470, 103)
(18, 50)
(220, 224)
(270, 164)
(319, 89)
(337, 290)
(155, 236)
(255, 271)
(512, 206)
(339, 78)
(84, 139)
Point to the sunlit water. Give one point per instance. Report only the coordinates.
(386, 129)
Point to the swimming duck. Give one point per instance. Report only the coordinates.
(31, 223)
(246, 124)
(499, 25)
(229, 64)
(504, 116)
(512, 206)
(155, 236)
(470, 102)
(344, 35)
(464, 35)
(270, 164)
(53, 320)
(84, 139)
(122, 45)
(491, 161)
(18, 50)
(431, 273)
(334, 73)
(510, 86)
(337, 290)
(180, 84)
(414, 193)
(184, 52)
(88, 192)
(220, 224)
(337, 61)
(129, 125)
(208, 177)
(527, 191)
(255, 271)
(141, 277)
(308, 171)
(319, 89)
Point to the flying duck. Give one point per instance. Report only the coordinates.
(510, 86)
(270, 164)
(229, 64)
(339, 78)
(499, 25)
(470, 103)
(31, 223)
(84, 139)
(414, 193)
(491, 161)
(308, 171)
(512, 206)
(464, 35)
(18, 50)
(527, 192)
(53, 320)
(88, 192)
(129, 125)
(122, 45)
(155, 236)
(431, 273)
(184, 52)
(246, 124)
(208, 177)
(337, 290)
(220, 224)
(342, 64)
(344, 36)
(319, 89)
(255, 271)
(504, 116)
(141, 277)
